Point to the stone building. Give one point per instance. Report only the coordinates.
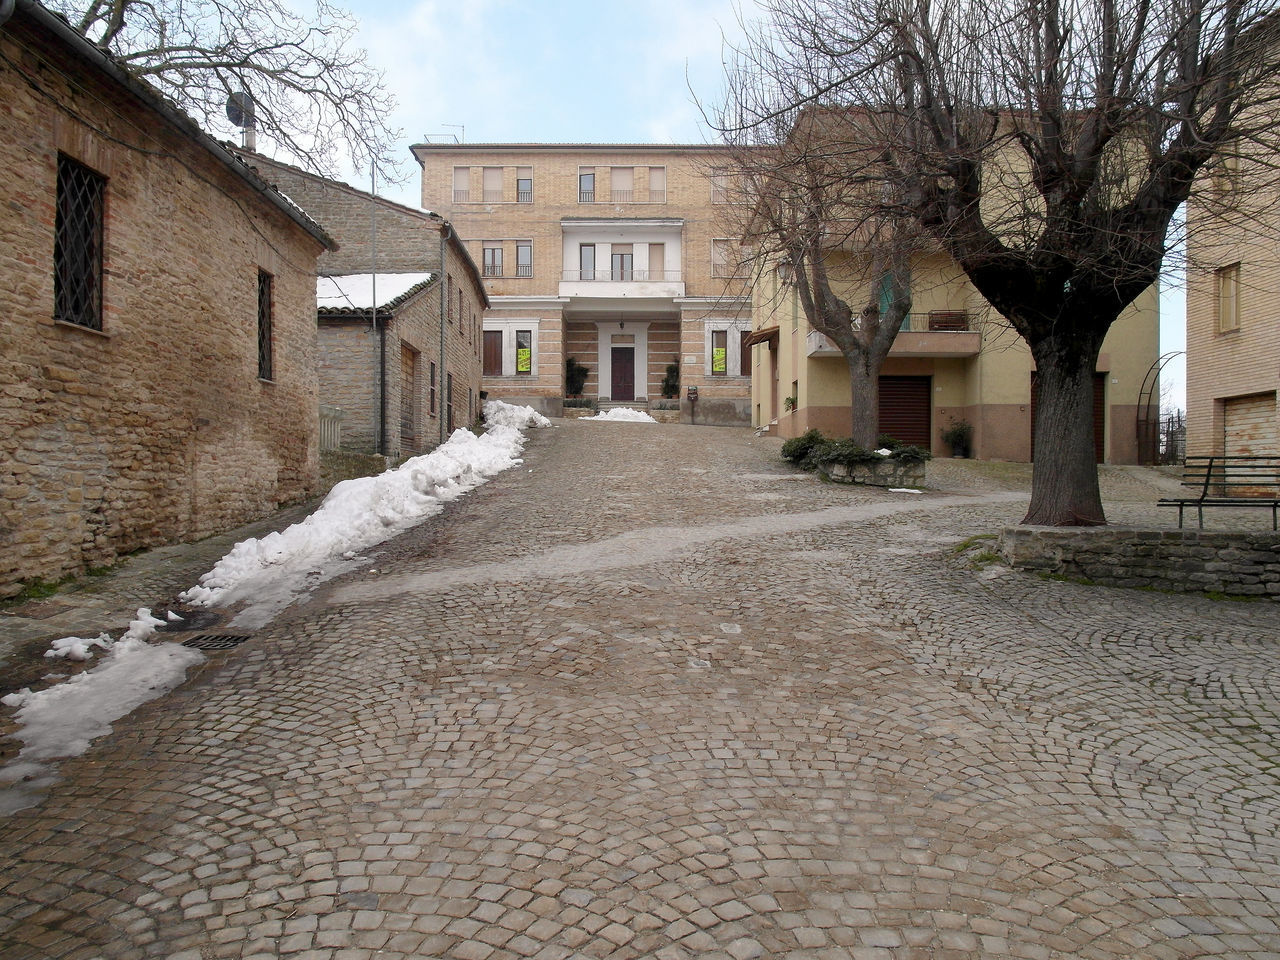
(617, 256)
(157, 348)
(403, 380)
(954, 360)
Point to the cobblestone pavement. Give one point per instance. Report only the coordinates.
(653, 695)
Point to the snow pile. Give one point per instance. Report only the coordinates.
(624, 413)
(499, 414)
(78, 648)
(62, 720)
(357, 514)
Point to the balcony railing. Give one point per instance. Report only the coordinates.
(524, 196)
(937, 321)
(491, 270)
(621, 196)
(493, 196)
(524, 270)
(586, 196)
(657, 196)
(623, 276)
(461, 196)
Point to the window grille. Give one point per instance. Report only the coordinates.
(264, 325)
(77, 247)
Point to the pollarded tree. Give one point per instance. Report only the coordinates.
(1046, 145)
(804, 212)
(311, 89)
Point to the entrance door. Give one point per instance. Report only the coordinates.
(623, 373)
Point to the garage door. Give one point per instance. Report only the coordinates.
(905, 404)
(1099, 414)
(1250, 426)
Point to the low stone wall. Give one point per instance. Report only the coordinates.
(886, 473)
(339, 465)
(1186, 561)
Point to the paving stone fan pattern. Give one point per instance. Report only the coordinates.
(827, 735)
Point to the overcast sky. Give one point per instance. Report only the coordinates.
(570, 71)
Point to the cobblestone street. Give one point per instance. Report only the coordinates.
(653, 694)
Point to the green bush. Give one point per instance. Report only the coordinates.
(575, 376)
(797, 449)
(581, 402)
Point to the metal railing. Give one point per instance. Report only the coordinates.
(621, 196)
(623, 276)
(524, 270)
(493, 196)
(586, 196)
(461, 196)
(937, 321)
(524, 196)
(330, 427)
(491, 270)
(657, 196)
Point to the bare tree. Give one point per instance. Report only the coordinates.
(311, 90)
(808, 209)
(1046, 145)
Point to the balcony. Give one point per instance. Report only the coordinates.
(939, 333)
(586, 196)
(524, 269)
(524, 196)
(637, 284)
(461, 196)
(620, 196)
(657, 196)
(493, 196)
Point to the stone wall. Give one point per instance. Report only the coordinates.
(156, 429)
(1185, 561)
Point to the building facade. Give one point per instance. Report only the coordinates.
(1233, 311)
(613, 256)
(408, 374)
(157, 348)
(954, 360)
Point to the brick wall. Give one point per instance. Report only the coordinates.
(407, 241)
(157, 429)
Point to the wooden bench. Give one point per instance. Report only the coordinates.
(1230, 482)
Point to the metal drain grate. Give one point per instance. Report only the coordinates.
(215, 641)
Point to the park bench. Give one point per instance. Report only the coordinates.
(1229, 482)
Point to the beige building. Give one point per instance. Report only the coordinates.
(401, 378)
(1233, 312)
(955, 359)
(157, 346)
(611, 255)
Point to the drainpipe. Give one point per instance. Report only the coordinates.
(444, 306)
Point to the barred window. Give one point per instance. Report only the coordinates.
(77, 245)
(264, 325)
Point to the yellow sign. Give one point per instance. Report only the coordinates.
(719, 360)
(524, 360)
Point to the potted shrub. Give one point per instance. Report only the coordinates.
(575, 377)
(959, 437)
(671, 381)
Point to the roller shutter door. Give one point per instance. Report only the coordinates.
(1099, 414)
(905, 408)
(1250, 426)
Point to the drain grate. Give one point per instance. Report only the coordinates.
(216, 641)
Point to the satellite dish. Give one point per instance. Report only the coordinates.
(240, 109)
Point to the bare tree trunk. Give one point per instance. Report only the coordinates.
(864, 387)
(1064, 487)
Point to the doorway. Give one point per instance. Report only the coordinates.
(622, 370)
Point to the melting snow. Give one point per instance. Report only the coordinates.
(624, 413)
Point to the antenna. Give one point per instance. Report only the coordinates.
(462, 137)
(240, 111)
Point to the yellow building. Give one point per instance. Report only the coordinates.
(1233, 313)
(607, 254)
(955, 359)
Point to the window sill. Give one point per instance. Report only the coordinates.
(68, 325)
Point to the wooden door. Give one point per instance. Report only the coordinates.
(623, 373)
(492, 353)
(408, 398)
